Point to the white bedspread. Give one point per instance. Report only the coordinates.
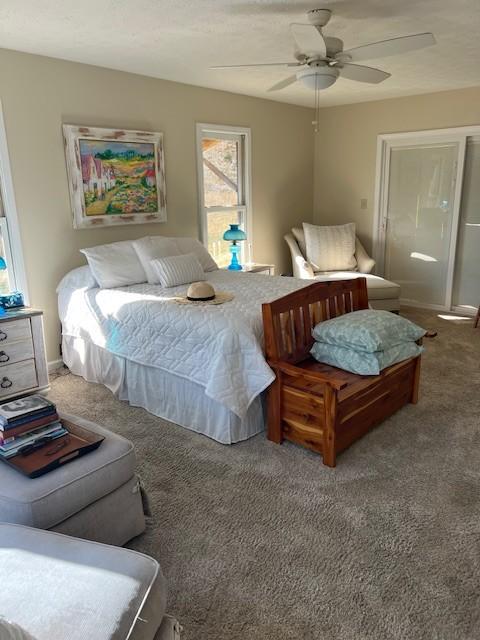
(217, 346)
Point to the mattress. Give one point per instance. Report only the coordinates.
(219, 347)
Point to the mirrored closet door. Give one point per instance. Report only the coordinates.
(428, 217)
(466, 283)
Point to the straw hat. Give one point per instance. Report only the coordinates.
(199, 293)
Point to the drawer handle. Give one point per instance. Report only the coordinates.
(3, 336)
(6, 383)
(4, 357)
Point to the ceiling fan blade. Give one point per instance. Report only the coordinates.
(386, 48)
(361, 73)
(267, 64)
(308, 39)
(283, 83)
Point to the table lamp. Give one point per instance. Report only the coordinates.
(234, 235)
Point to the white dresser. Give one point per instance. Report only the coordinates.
(23, 363)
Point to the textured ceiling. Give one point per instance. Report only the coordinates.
(179, 39)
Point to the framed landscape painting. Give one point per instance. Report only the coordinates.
(115, 177)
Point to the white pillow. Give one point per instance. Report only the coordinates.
(79, 278)
(152, 247)
(176, 270)
(192, 245)
(115, 264)
(330, 248)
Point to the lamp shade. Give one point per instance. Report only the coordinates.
(3, 264)
(234, 233)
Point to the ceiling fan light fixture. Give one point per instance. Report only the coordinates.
(318, 78)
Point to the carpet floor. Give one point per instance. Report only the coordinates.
(263, 542)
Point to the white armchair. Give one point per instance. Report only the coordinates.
(382, 294)
(303, 269)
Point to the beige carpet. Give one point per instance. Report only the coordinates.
(262, 542)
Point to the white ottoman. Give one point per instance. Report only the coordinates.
(382, 294)
(96, 497)
(57, 588)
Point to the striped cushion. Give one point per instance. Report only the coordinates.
(331, 248)
(176, 270)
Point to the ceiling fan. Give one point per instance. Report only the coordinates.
(321, 59)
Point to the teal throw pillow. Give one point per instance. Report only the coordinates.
(368, 330)
(363, 362)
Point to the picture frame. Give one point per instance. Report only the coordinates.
(115, 176)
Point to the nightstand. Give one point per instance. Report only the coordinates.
(23, 363)
(254, 267)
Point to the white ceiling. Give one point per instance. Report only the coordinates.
(179, 39)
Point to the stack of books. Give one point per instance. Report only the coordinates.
(27, 424)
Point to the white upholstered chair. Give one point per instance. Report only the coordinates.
(382, 294)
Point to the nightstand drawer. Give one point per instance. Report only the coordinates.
(14, 330)
(18, 377)
(11, 352)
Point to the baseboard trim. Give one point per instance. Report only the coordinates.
(54, 365)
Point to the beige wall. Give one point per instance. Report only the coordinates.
(39, 94)
(345, 148)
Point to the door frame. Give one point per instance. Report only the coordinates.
(385, 142)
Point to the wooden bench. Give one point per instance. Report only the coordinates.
(313, 404)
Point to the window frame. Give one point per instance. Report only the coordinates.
(227, 132)
(9, 225)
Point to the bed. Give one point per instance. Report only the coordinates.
(201, 367)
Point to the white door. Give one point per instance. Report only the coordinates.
(419, 219)
(466, 282)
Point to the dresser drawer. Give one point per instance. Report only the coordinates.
(12, 352)
(14, 330)
(18, 377)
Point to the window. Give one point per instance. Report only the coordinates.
(12, 269)
(5, 258)
(223, 155)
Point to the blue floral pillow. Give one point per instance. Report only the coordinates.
(368, 330)
(363, 362)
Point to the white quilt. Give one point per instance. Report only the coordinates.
(217, 346)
